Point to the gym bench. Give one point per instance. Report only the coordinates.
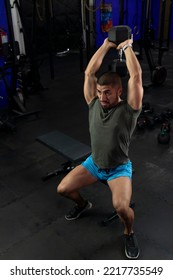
(66, 146)
(75, 152)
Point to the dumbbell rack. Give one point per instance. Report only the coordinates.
(149, 119)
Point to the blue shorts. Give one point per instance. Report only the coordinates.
(124, 170)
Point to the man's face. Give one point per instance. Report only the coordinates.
(108, 95)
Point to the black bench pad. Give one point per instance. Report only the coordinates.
(65, 145)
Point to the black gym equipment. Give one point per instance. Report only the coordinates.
(119, 66)
(118, 34)
(164, 135)
(158, 72)
(15, 86)
(150, 120)
(122, 12)
(72, 149)
(146, 120)
(33, 43)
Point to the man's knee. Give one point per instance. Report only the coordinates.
(122, 208)
(62, 188)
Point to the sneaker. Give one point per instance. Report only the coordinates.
(131, 246)
(77, 211)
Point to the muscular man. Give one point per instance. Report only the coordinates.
(111, 125)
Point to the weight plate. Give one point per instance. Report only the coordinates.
(159, 75)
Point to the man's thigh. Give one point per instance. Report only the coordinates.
(77, 178)
(121, 189)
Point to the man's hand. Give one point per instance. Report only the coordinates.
(109, 44)
(121, 45)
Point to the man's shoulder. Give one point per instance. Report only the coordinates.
(93, 102)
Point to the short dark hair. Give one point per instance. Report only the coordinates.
(109, 78)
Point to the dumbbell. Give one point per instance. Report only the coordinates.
(146, 108)
(167, 114)
(164, 116)
(119, 66)
(145, 122)
(158, 118)
(141, 123)
(164, 135)
(159, 75)
(118, 34)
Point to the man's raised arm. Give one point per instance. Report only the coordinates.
(135, 88)
(94, 64)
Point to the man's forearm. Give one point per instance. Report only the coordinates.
(96, 60)
(132, 62)
(135, 89)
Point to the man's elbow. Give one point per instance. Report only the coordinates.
(136, 77)
(89, 72)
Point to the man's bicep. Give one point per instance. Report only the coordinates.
(90, 91)
(135, 94)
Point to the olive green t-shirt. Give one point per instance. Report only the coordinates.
(110, 132)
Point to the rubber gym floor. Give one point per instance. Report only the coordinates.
(32, 220)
